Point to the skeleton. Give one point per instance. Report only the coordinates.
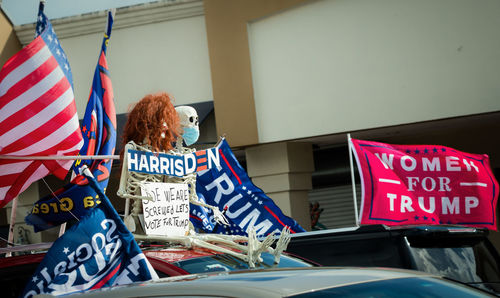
(189, 120)
(130, 189)
(152, 125)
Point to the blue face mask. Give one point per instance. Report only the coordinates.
(191, 135)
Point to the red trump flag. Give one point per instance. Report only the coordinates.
(425, 184)
(37, 113)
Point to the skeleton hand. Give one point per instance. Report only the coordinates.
(219, 217)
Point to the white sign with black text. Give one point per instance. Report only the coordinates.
(168, 213)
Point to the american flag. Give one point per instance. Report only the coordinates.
(38, 114)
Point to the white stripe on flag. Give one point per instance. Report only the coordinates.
(3, 192)
(24, 69)
(13, 168)
(58, 136)
(31, 94)
(37, 175)
(473, 184)
(38, 120)
(389, 181)
(41, 172)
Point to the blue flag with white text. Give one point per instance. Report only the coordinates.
(99, 121)
(68, 203)
(244, 204)
(99, 135)
(98, 251)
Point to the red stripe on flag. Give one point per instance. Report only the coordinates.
(17, 186)
(229, 166)
(201, 152)
(103, 281)
(38, 105)
(46, 129)
(26, 83)
(108, 97)
(195, 217)
(22, 56)
(278, 219)
(9, 179)
(201, 168)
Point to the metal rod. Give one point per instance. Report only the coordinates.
(62, 229)
(353, 180)
(60, 157)
(12, 224)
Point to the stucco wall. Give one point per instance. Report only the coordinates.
(348, 65)
(169, 56)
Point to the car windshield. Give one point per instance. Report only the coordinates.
(470, 262)
(224, 262)
(400, 287)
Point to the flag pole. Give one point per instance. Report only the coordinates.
(353, 180)
(13, 211)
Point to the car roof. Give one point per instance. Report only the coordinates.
(255, 283)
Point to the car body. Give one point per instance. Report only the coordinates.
(460, 253)
(295, 282)
(173, 260)
(178, 260)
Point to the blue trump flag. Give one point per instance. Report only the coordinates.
(99, 121)
(68, 203)
(244, 204)
(96, 252)
(99, 135)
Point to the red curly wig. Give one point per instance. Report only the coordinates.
(145, 122)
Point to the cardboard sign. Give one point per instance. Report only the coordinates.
(425, 184)
(168, 213)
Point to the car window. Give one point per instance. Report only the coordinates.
(224, 262)
(470, 262)
(401, 287)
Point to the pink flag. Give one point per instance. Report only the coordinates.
(37, 113)
(425, 184)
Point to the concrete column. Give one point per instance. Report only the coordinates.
(283, 171)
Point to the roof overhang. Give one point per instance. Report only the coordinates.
(147, 13)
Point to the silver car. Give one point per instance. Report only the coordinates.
(296, 282)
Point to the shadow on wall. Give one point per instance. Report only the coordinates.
(12, 46)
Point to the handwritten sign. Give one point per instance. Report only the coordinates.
(168, 213)
(425, 184)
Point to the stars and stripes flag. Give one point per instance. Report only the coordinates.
(38, 114)
(99, 135)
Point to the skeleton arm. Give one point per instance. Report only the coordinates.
(129, 185)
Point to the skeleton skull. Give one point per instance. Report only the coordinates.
(189, 124)
(187, 116)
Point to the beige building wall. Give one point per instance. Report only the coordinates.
(283, 170)
(9, 44)
(278, 169)
(227, 23)
(348, 65)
